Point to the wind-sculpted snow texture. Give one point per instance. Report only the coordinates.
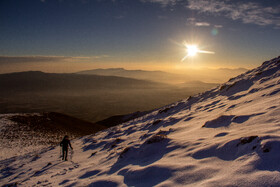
(228, 136)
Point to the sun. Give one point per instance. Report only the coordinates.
(192, 50)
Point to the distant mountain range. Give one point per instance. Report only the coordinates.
(186, 75)
(200, 84)
(40, 81)
(156, 76)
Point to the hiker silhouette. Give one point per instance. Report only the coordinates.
(64, 144)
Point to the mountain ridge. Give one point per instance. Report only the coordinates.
(156, 76)
(47, 81)
(183, 75)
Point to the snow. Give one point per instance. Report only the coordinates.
(227, 136)
(16, 139)
(22, 133)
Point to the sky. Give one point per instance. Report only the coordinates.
(74, 35)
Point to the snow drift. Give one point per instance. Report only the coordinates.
(227, 136)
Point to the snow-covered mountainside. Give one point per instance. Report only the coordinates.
(228, 136)
(21, 133)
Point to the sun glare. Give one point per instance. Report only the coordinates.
(193, 50)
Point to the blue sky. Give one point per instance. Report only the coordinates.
(145, 34)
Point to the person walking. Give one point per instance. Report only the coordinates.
(64, 144)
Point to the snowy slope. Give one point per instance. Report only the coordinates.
(21, 133)
(228, 136)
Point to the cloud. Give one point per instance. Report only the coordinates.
(202, 24)
(193, 21)
(162, 2)
(248, 12)
(98, 57)
(42, 59)
(25, 59)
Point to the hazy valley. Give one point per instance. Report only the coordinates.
(89, 97)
